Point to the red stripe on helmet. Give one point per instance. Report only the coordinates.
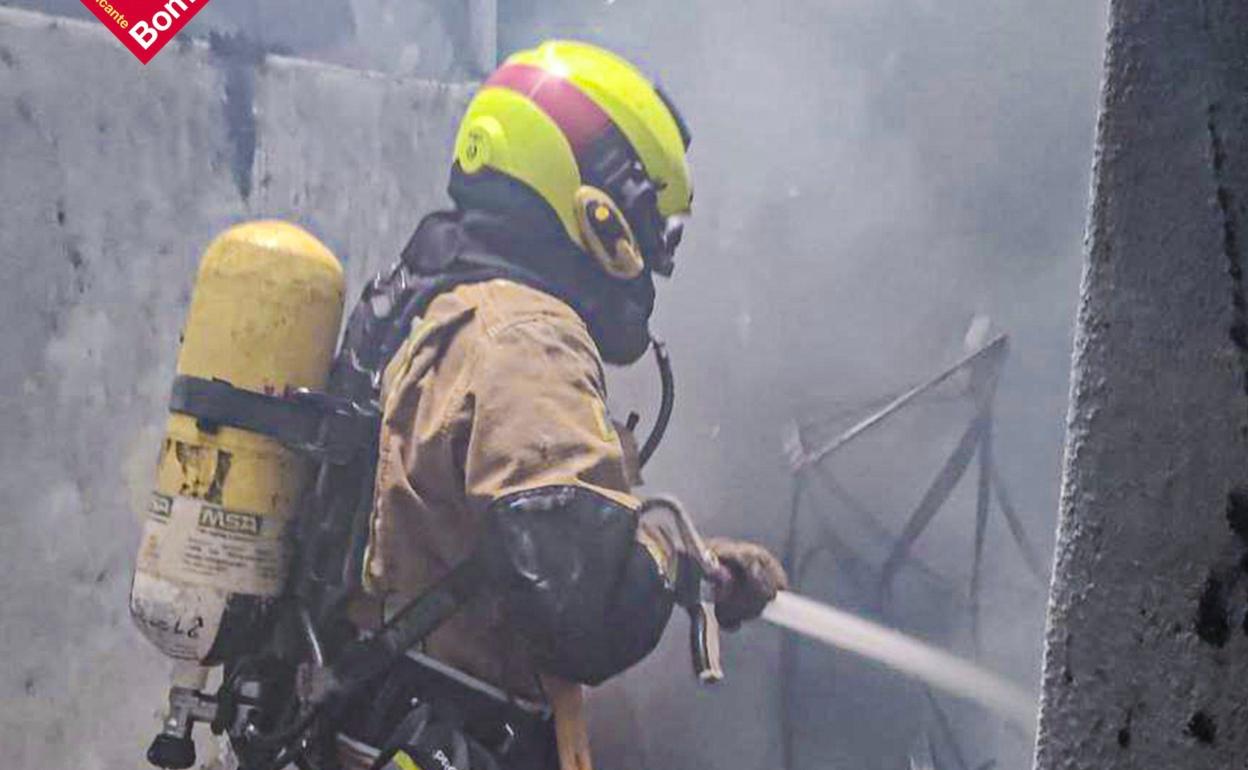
(576, 115)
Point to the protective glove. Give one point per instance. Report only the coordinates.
(753, 576)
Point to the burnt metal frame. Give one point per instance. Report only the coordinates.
(984, 366)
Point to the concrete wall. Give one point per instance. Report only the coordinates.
(448, 40)
(1147, 643)
(112, 177)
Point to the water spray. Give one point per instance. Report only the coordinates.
(837, 628)
(905, 654)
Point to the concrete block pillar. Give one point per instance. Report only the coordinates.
(1146, 662)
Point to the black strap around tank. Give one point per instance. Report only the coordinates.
(305, 421)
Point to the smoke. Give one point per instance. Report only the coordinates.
(870, 176)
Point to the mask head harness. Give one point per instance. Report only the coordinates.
(617, 207)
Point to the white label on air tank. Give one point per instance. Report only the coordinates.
(181, 620)
(187, 540)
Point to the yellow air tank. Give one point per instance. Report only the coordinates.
(215, 550)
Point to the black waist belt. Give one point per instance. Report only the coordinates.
(519, 735)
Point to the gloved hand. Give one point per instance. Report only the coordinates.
(752, 580)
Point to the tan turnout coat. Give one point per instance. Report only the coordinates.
(498, 389)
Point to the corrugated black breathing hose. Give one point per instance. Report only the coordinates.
(668, 398)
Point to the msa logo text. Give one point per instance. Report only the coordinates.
(443, 760)
(229, 521)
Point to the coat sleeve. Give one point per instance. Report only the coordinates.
(545, 468)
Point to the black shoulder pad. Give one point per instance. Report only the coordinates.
(586, 596)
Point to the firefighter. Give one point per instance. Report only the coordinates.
(570, 186)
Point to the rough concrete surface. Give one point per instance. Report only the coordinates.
(450, 40)
(112, 176)
(1147, 640)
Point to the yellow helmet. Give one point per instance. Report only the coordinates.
(597, 141)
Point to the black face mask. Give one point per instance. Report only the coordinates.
(619, 321)
(506, 219)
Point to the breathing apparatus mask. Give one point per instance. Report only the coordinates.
(609, 280)
(628, 237)
(627, 215)
(602, 149)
